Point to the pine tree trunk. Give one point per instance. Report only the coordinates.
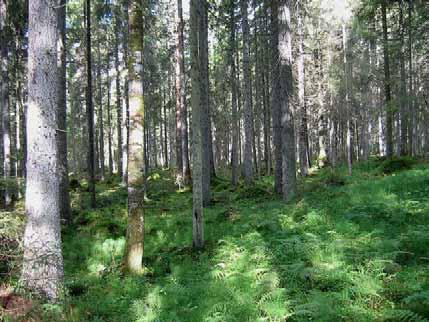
(403, 85)
(4, 102)
(233, 85)
(303, 133)
(109, 121)
(119, 161)
(64, 200)
(205, 108)
(411, 111)
(387, 87)
(285, 87)
(100, 114)
(196, 101)
(181, 97)
(275, 99)
(248, 119)
(42, 270)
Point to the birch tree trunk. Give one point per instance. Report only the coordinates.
(42, 270)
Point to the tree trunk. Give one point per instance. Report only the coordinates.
(411, 131)
(347, 79)
(205, 108)
(233, 84)
(100, 113)
(248, 119)
(182, 123)
(275, 98)
(42, 270)
(403, 85)
(303, 132)
(89, 106)
(109, 121)
(64, 200)
(119, 161)
(387, 87)
(135, 229)
(285, 87)
(5, 117)
(196, 101)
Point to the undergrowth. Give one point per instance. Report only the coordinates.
(347, 249)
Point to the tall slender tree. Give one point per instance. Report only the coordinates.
(387, 85)
(62, 116)
(182, 118)
(4, 99)
(89, 105)
(196, 101)
(247, 93)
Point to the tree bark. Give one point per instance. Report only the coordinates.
(403, 85)
(89, 106)
(387, 86)
(196, 100)
(248, 119)
(182, 123)
(42, 270)
(275, 98)
(135, 229)
(303, 131)
(233, 84)
(205, 102)
(64, 200)
(5, 113)
(119, 161)
(285, 87)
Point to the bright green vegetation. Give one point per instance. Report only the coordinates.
(348, 249)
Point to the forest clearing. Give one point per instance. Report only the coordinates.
(214, 160)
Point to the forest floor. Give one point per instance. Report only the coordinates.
(347, 249)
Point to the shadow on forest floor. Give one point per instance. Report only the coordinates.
(348, 249)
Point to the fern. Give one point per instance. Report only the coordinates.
(407, 316)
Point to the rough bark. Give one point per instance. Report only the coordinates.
(197, 157)
(42, 270)
(285, 86)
